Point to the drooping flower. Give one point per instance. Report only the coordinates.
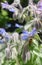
(4, 34)
(26, 34)
(2, 31)
(33, 32)
(4, 5)
(7, 6)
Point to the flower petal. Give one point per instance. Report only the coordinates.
(33, 32)
(19, 26)
(4, 5)
(11, 10)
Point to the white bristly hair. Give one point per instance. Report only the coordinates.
(14, 53)
(8, 51)
(15, 37)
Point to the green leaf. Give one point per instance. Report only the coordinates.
(4, 13)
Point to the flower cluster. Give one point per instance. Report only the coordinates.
(6, 5)
(4, 34)
(27, 34)
(2, 31)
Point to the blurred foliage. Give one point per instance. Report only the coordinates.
(4, 14)
(35, 1)
(24, 3)
(35, 48)
(36, 55)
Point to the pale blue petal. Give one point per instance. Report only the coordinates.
(19, 26)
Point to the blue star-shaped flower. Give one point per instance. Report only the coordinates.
(2, 31)
(27, 34)
(4, 5)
